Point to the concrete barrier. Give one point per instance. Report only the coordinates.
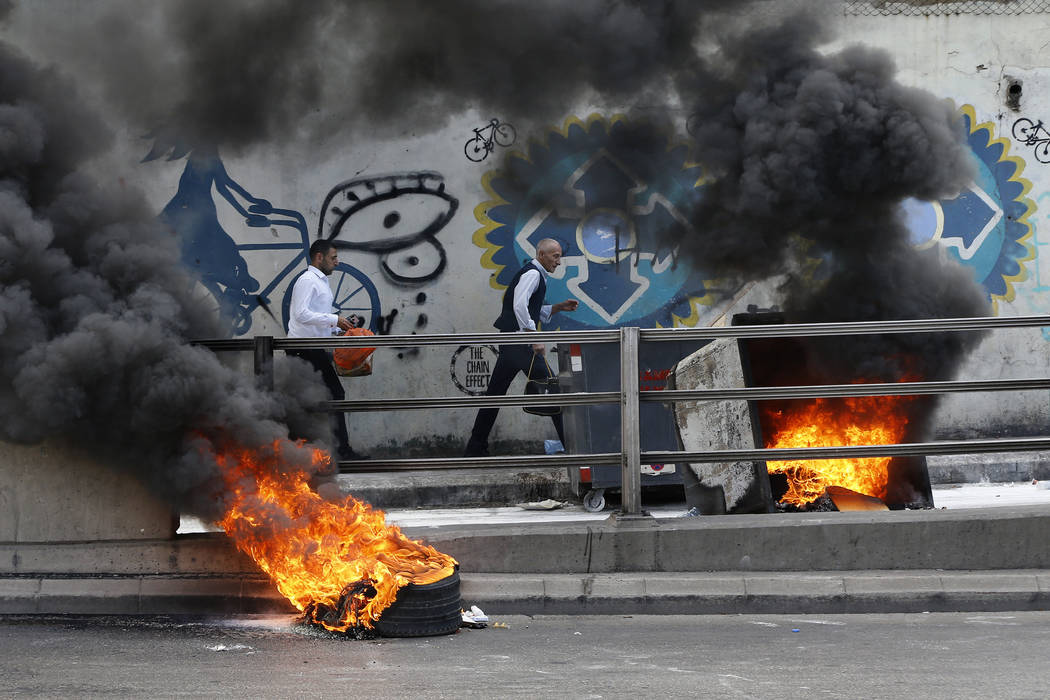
(51, 493)
(979, 539)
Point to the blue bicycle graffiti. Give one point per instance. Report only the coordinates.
(217, 259)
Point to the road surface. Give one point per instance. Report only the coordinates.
(927, 656)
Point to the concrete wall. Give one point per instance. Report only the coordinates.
(926, 539)
(994, 69)
(431, 254)
(54, 494)
(969, 59)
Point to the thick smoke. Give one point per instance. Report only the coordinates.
(805, 147)
(809, 155)
(254, 72)
(95, 312)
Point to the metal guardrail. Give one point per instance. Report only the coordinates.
(630, 456)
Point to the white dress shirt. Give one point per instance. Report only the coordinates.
(311, 308)
(527, 284)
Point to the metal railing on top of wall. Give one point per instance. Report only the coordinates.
(630, 457)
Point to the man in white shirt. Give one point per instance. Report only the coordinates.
(310, 316)
(523, 311)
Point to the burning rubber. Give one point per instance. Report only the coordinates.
(422, 610)
(312, 547)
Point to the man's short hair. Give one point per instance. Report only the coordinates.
(320, 246)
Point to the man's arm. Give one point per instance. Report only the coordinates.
(527, 284)
(567, 305)
(548, 310)
(302, 294)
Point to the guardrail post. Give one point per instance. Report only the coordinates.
(630, 441)
(264, 361)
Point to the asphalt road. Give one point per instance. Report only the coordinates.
(927, 656)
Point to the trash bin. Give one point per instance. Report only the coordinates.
(590, 429)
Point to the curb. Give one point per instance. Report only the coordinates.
(715, 593)
(720, 593)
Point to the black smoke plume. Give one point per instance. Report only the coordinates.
(803, 144)
(810, 157)
(247, 72)
(809, 153)
(96, 312)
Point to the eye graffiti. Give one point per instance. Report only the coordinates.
(396, 217)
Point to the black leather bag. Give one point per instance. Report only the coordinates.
(542, 386)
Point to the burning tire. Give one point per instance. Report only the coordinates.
(423, 611)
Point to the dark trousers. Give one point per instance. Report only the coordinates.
(322, 362)
(512, 359)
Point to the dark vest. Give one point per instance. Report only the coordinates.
(507, 321)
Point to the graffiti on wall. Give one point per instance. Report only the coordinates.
(605, 201)
(407, 209)
(395, 217)
(1033, 134)
(486, 138)
(986, 227)
(471, 366)
(218, 260)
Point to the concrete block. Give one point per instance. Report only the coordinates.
(51, 493)
(534, 549)
(95, 596)
(208, 553)
(92, 558)
(19, 595)
(733, 487)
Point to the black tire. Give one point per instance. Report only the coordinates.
(594, 501)
(424, 611)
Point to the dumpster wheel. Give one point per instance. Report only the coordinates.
(594, 501)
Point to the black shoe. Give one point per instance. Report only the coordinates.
(476, 451)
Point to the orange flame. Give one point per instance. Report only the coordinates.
(312, 548)
(867, 420)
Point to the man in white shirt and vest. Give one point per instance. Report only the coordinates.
(523, 311)
(310, 316)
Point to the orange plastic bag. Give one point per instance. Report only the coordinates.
(354, 362)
